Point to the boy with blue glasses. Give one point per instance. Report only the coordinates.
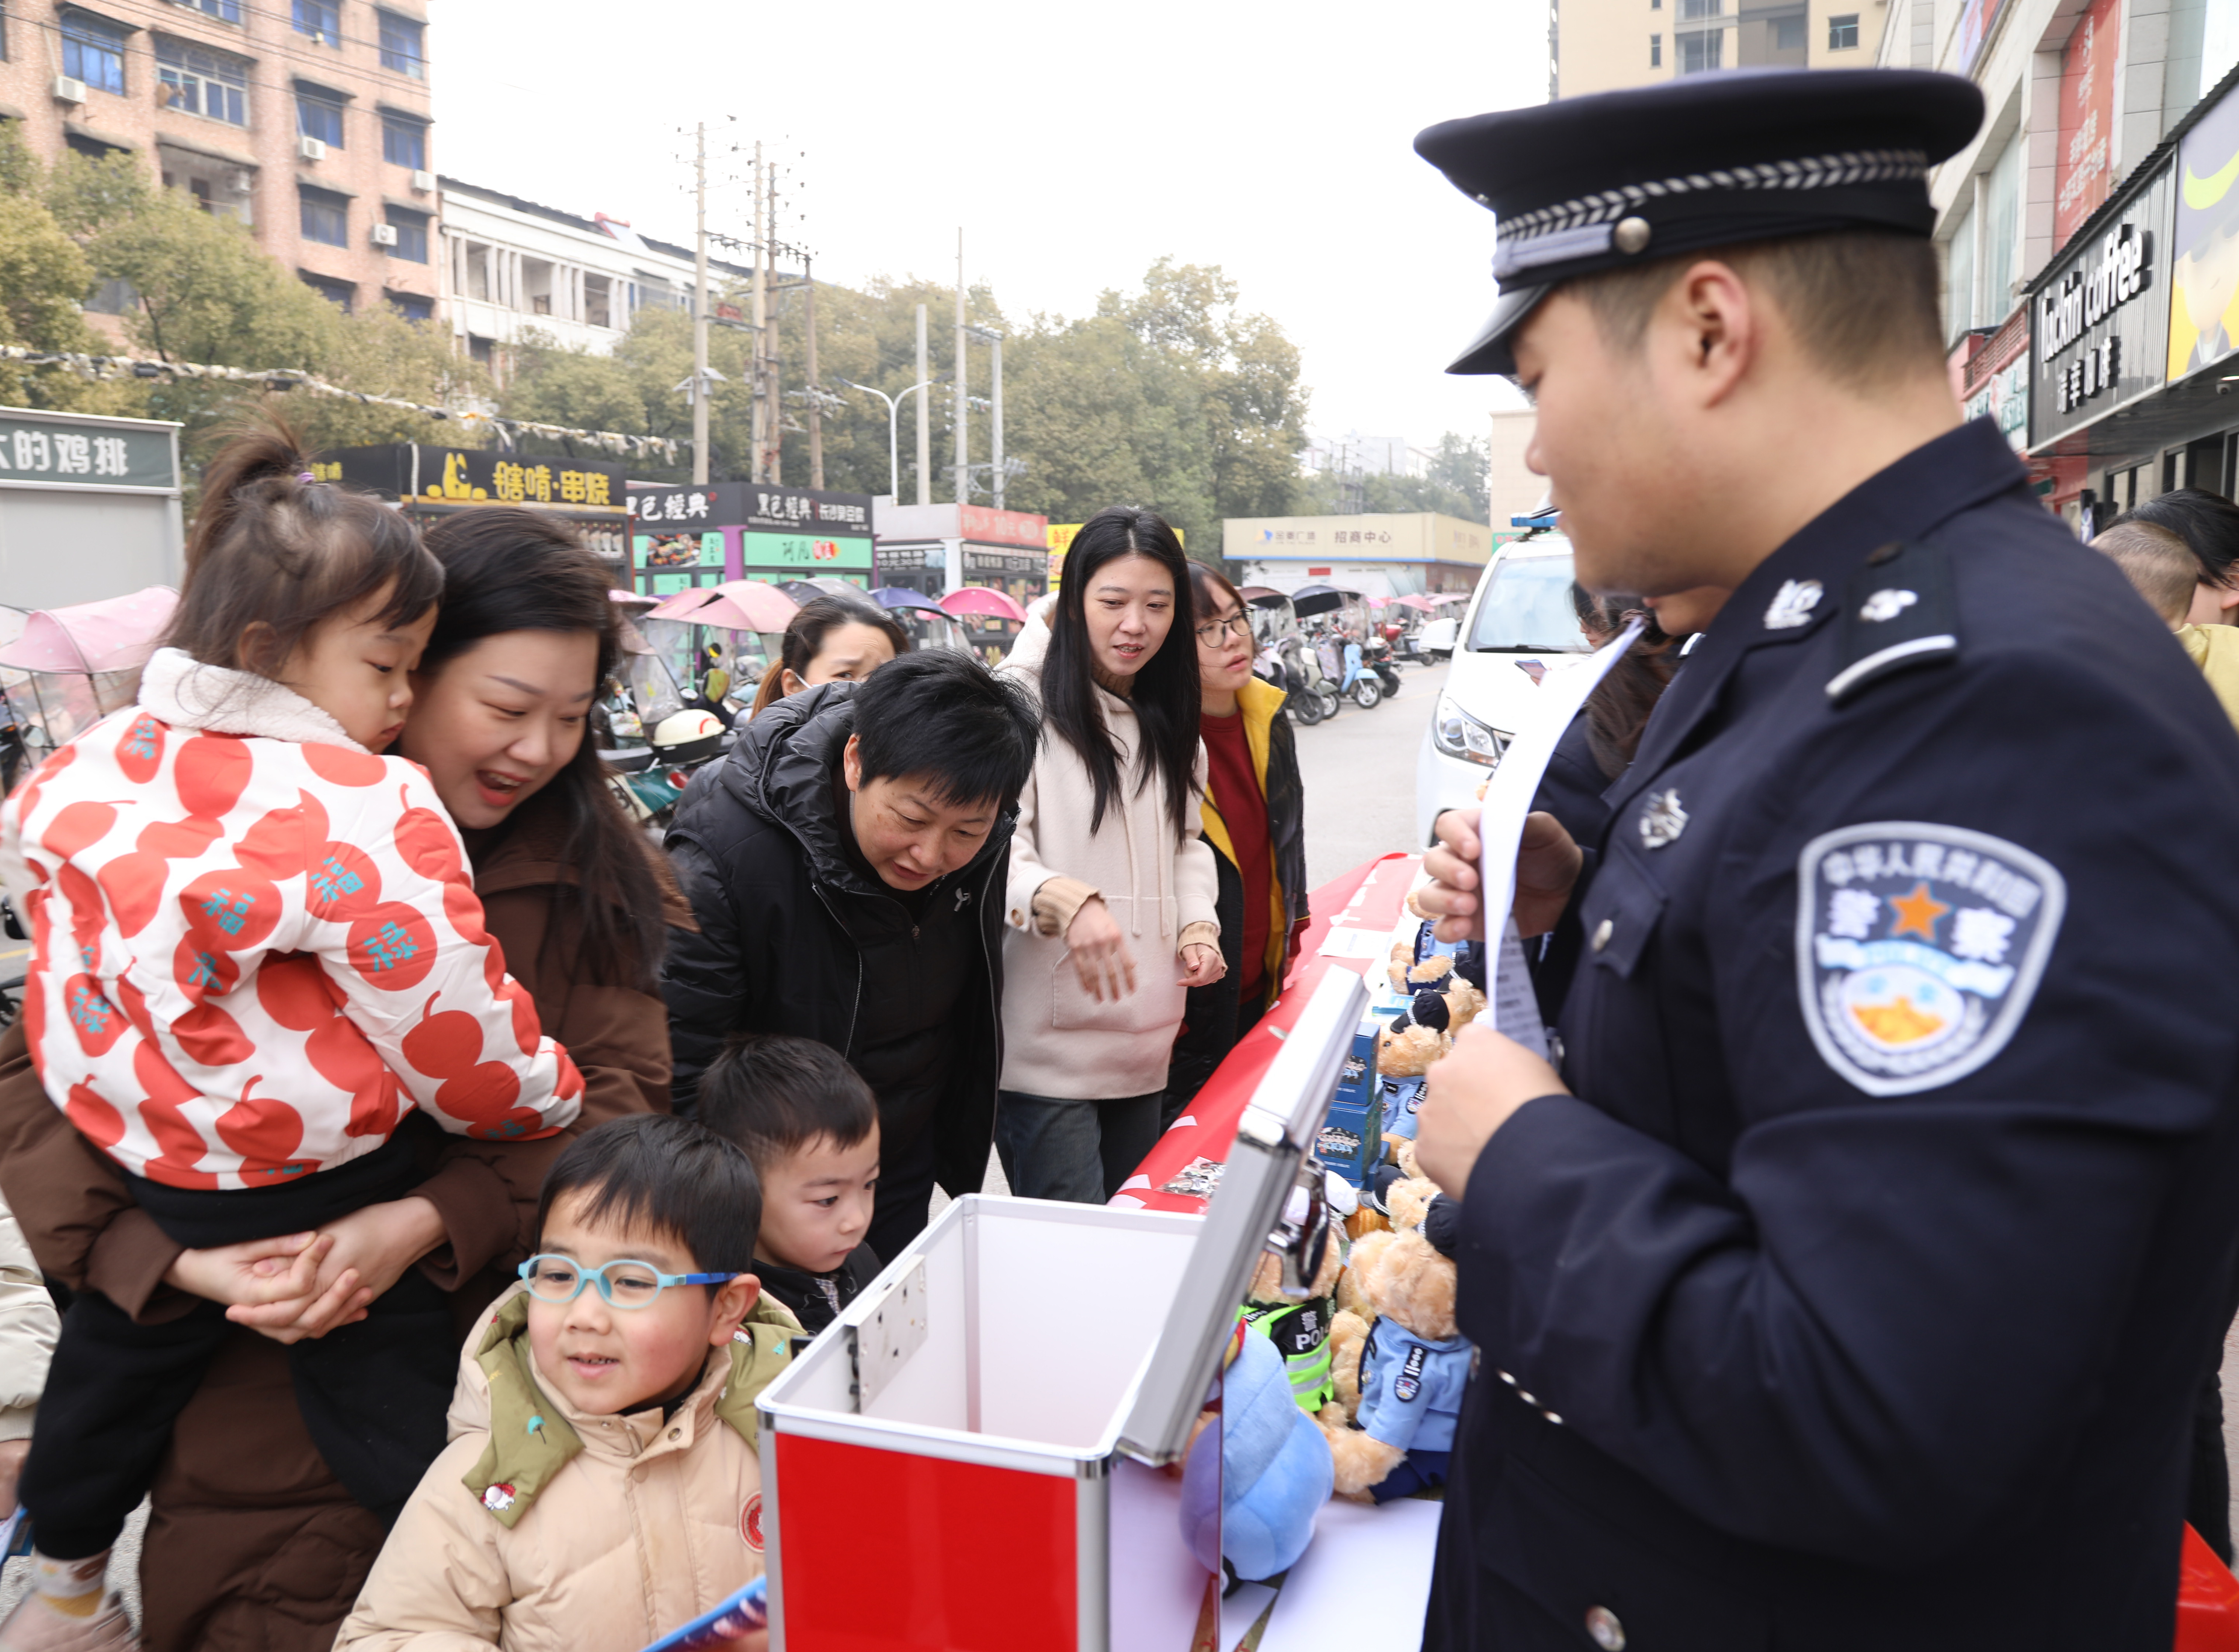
(600, 1488)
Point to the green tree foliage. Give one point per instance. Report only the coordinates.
(43, 275)
(1454, 483)
(636, 390)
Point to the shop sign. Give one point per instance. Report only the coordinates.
(755, 504)
(1978, 19)
(992, 527)
(2204, 267)
(58, 450)
(2081, 175)
(678, 550)
(2097, 323)
(809, 553)
(476, 476)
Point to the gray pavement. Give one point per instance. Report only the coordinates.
(1360, 773)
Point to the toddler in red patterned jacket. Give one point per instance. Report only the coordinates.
(255, 948)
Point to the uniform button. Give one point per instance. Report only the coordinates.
(1608, 1634)
(1505, 1377)
(676, 1434)
(1552, 1417)
(1527, 1399)
(1603, 930)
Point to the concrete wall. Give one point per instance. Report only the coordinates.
(1514, 489)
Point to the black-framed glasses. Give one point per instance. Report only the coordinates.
(624, 1284)
(1212, 631)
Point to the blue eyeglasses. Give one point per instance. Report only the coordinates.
(623, 1284)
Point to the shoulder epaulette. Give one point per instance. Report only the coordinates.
(1898, 613)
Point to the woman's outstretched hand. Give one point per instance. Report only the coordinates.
(1100, 952)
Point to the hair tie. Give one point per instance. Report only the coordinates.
(305, 475)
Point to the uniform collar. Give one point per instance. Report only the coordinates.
(1776, 604)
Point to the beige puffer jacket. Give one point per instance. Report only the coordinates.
(519, 1537)
(27, 1327)
(1057, 1041)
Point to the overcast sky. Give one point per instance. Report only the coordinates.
(1073, 144)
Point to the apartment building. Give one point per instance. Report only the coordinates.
(510, 265)
(307, 120)
(2085, 236)
(1599, 45)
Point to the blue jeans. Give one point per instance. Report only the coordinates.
(1076, 1150)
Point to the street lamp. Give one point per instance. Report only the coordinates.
(894, 431)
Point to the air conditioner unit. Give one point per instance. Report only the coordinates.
(384, 234)
(244, 183)
(311, 149)
(69, 89)
(424, 182)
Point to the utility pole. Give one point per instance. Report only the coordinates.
(963, 445)
(997, 473)
(700, 315)
(923, 421)
(774, 463)
(762, 410)
(815, 384)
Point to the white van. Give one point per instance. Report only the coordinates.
(1519, 625)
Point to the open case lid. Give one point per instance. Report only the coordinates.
(1274, 1137)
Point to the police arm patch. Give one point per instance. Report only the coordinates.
(1918, 948)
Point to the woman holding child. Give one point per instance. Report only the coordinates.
(254, 1541)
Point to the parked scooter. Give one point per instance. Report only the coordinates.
(1376, 655)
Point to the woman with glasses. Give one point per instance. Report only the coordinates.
(1254, 819)
(1111, 891)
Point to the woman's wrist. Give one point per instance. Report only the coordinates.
(416, 1225)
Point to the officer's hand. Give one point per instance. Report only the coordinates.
(1471, 1094)
(1547, 864)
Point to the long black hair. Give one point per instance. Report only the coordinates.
(511, 570)
(1617, 710)
(1164, 693)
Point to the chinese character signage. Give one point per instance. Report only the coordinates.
(2099, 321)
(756, 505)
(2081, 176)
(1977, 18)
(2204, 270)
(477, 476)
(809, 553)
(59, 450)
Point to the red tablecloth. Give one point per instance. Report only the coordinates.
(1368, 896)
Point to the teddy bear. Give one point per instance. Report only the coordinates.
(1397, 1364)
(1299, 1330)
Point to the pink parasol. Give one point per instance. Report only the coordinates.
(982, 600)
(116, 634)
(736, 605)
(1412, 601)
(631, 600)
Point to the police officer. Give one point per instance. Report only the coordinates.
(1847, 1285)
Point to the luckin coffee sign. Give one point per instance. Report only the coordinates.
(2086, 297)
(2099, 322)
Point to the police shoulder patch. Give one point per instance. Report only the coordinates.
(1918, 948)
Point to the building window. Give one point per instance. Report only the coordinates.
(319, 117)
(480, 349)
(326, 216)
(334, 292)
(598, 301)
(404, 143)
(401, 47)
(203, 82)
(1656, 51)
(412, 306)
(224, 11)
(1843, 32)
(93, 51)
(321, 19)
(411, 235)
(1788, 32)
(1701, 49)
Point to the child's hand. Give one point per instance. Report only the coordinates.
(368, 1252)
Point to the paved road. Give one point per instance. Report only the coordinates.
(1360, 773)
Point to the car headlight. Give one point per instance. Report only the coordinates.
(1457, 733)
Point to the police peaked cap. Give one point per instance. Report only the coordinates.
(1585, 185)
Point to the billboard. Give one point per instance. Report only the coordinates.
(2082, 176)
(2098, 323)
(2204, 244)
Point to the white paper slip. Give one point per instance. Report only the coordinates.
(1354, 943)
(1515, 1004)
(1516, 782)
(1362, 1583)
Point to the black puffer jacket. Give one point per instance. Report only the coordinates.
(795, 938)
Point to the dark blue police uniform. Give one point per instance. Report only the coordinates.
(1857, 1297)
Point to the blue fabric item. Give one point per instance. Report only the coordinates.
(1275, 1472)
(1411, 1387)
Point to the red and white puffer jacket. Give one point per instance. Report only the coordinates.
(255, 946)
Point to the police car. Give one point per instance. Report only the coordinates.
(1519, 625)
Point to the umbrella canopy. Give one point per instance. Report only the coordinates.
(1444, 597)
(631, 600)
(117, 634)
(1262, 596)
(817, 585)
(1309, 600)
(1412, 601)
(983, 599)
(736, 605)
(900, 596)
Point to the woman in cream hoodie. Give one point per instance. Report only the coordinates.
(1111, 891)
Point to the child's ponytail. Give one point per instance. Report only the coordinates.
(273, 553)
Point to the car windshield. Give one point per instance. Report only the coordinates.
(1527, 608)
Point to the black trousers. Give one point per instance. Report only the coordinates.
(373, 1394)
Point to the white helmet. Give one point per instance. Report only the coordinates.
(687, 737)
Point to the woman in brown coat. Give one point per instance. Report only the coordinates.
(253, 1543)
